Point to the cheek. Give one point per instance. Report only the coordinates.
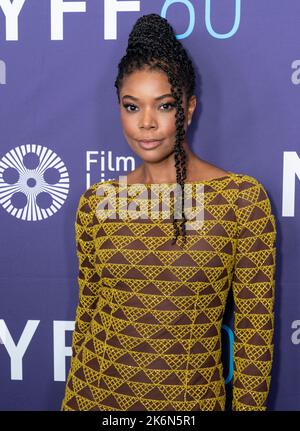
(128, 124)
(168, 125)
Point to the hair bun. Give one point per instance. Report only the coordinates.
(151, 29)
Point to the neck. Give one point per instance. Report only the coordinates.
(165, 170)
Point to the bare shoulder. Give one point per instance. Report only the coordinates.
(206, 171)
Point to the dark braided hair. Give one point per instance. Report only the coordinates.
(152, 42)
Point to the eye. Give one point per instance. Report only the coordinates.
(126, 105)
(171, 105)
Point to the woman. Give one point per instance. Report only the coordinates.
(148, 323)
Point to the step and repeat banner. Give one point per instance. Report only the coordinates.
(60, 132)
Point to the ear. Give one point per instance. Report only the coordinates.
(191, 108)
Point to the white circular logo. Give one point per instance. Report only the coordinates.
(34, 182)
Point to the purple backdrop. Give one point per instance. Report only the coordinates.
(60, 130)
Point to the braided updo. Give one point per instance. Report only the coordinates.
(152, 42)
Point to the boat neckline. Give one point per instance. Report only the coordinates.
(228, 175)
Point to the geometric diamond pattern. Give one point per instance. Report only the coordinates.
(148, 322)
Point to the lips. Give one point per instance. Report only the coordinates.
(149, 145)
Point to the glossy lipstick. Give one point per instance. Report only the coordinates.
(149, 145)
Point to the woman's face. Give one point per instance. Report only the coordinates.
(148, 114)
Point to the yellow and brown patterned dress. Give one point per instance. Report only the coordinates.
(148, 322)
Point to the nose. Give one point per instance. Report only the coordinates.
(147, 119)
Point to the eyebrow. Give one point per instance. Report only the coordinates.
(156, 98)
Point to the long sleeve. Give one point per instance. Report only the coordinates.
(88, 278)
(254, 297)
